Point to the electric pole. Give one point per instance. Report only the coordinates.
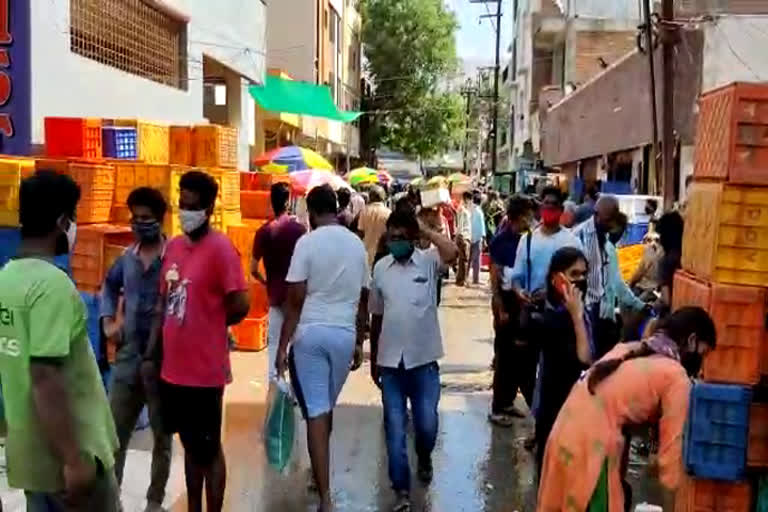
(467, 92)
(650, 51)
(669, 35)
(496, 70)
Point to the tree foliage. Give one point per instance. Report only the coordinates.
(411, 58)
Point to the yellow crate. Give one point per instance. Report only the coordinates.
(229, 191)
(153, 140)
(230, 218)
(13, 171)
(9, 219)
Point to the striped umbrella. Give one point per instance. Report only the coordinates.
(384, 177)
(304, 181)
(295, 158)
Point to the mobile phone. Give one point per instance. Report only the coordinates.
(561, 283)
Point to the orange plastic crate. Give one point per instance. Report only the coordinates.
(251, 334)
(757, 449)
(214, 146)
(73, 137)
(89, 256)
(696, 495)
(52, 164)
(256, 204)
(181, 145)
(261, 180)
(121, 214)
(739, 316)
(732, 134)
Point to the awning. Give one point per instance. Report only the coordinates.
(303, 98)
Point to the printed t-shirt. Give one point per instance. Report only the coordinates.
(43, 316)
(196, 278)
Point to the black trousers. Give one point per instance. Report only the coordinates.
(605, 332)
(515, 369)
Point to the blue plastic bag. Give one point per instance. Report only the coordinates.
(280, 426)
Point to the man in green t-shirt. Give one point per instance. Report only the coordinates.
(61, 436)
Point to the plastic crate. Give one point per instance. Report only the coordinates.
(634, 234)
(214, 146)
(757, 449)
(181, 145)
(120, 215)
(251, 334)
(89, 264)
(119, 142)
(256, 204)
(153, 140)
(229, 194)
(739, 316)
(696, 495)
(12, 171)
(77, 137)
(732, 140)
(726, 233)
(261, 181)
(717, 432)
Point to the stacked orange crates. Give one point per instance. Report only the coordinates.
(95, 251)
(725, 264)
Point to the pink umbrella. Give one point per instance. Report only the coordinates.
(304, 181)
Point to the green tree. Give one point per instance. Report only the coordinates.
(411, 59)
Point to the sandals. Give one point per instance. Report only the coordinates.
(501, 420)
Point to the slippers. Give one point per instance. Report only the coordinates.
(501, 420)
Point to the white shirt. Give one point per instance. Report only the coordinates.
(333, 262)
(464, 223)
(406, 296)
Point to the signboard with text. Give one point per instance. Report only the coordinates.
(15, 77)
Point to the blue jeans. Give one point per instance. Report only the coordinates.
(420, 385)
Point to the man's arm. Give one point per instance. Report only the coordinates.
(445, 246)
(256, 271)
(376, 323)
(623, 293)
(110, 297)
(294, 302)
(237, 304)
(154, 344)
(362, 318)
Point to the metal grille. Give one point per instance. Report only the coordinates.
(132, 36)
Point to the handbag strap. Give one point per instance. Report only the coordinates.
(528, 260)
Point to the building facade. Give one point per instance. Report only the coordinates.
(170, 61)
(319, 41)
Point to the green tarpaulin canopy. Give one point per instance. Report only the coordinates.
(303, 98)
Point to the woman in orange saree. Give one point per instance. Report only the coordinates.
(635, 383)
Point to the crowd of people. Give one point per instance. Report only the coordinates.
(360, 268)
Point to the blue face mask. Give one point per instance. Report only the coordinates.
(401, 250)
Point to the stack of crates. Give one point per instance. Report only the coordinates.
(207, 145)
(725, 271)
(96, 249)
(12, 171)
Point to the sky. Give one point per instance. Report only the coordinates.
(475, 41)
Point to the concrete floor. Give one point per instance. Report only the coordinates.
(477, 467)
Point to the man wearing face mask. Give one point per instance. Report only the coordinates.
(202, 292)
(136, 275)
(61, 435)
(606, 289)
(406, 343)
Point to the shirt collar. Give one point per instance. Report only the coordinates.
(163, 244)
(414, 259)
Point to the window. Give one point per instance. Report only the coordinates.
(332, 83)
(132, 36)
(220, 95)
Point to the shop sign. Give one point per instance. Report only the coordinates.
(15, 77)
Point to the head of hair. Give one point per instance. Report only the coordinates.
(279, 196)
(405, 204)
(467, 196)
(563, 259)
(151, 198)
(492, 195)
(670, 229)
(322, 200)
(679, 326)
(43, 198)
(553, 191)
(344, 196)
(376, 194)
(404, 219)
(203, 185)
(518, 206)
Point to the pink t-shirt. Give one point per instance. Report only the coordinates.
(196, 277)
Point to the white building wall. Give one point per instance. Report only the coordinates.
(734, 50)
(291, 37)
(67, 84)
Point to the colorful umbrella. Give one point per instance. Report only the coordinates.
(295, 158)
(384, 177)
(275, 169)
(363, 175)
(304, 181)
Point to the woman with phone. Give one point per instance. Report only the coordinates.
(566, 345)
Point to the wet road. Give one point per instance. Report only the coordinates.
(478, 468)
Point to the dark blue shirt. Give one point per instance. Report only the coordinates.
(140, 289)
(503, 247)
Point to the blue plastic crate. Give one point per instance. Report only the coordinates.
(10, 238)
(634, 234)
(717, 432)
(119, 142)
(93, 324)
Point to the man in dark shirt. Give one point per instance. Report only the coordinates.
(274, 242)
(515, 365)
(136, 275)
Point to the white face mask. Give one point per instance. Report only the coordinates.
(192, 220)
(72, 236)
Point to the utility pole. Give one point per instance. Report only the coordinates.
(496, 71)
(669, 40)
(649, 50)
(467, 93)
